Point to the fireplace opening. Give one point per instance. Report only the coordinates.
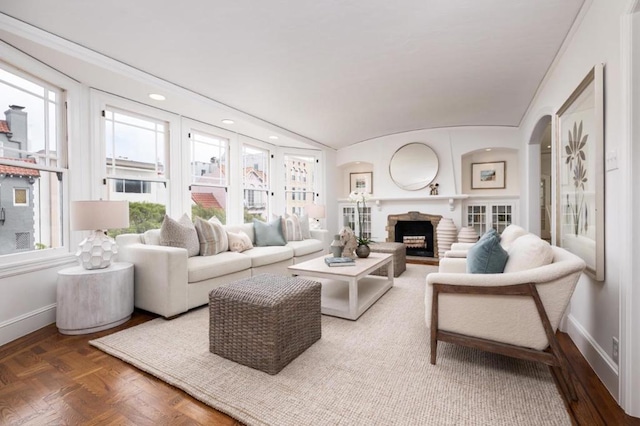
(417, 236)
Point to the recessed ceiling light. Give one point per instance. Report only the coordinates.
(157, 96)
(548, 146)
(487, 149)
(273, 137)
(228, 121)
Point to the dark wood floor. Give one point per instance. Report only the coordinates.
(49, 378)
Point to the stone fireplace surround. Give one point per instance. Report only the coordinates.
(412, 216)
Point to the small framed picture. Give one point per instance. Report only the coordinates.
(361, 182)
(488, 175)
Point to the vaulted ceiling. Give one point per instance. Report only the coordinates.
(336, 72)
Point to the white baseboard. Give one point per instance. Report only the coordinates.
(598, 359)
(24, 324)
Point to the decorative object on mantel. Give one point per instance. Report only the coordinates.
(348, 240)
(363, 241)
(433, 188)
(467, 234)
(447, 234)
(336, 246)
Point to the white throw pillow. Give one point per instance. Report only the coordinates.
(528, 252)
(510, 234)
(239, 241)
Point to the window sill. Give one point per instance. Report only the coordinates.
(32, 265)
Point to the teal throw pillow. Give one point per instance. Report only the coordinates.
(269, 234)
(489, 233)
(487, 256)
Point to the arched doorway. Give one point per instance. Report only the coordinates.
(540, 178)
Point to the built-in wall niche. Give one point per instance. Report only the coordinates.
(356, 171)
(480, 167)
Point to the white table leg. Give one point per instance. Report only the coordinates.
(353, 298)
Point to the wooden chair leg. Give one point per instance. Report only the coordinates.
(434, 324)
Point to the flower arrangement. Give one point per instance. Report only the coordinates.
(360, 197)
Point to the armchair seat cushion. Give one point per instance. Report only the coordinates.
(200, 268)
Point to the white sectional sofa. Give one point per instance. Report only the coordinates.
(168, 282)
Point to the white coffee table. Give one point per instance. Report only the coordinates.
(348, 291)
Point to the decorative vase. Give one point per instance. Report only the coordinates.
(447, 234)
(467, 234)
(363, 251)
(336, 246)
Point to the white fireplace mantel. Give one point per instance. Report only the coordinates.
(451, 199)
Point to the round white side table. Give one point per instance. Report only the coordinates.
(94, 300)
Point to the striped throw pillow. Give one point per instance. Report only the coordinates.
(293, 232)
(213, 238)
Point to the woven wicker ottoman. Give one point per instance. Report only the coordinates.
(399, 251)
(264, 322)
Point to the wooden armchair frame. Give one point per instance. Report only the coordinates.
(552, 356)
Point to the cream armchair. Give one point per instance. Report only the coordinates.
(512, 313)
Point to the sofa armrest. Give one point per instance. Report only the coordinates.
(460, 254)
(160, 276)
(453, 265)
(461, 246)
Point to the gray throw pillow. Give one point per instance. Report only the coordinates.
(489, 233)
(180, 233)
(487, 257)
(269, 234)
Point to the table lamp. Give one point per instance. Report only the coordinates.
(315, 212)
(98, 249)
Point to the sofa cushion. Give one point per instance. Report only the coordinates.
(180, 233)
(200, 268)
(239, 242)
(268, 234)
(261, 256)
(247, 228)
(486, 257)
(510, 234)
(212, 237)
(528, 252)
(304, 247)
(151, 237)
(292, 231)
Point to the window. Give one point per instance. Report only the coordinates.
(485, 216)
(255, 181)
(296, 172)
(209, 165)
(135, 160)
(32, 164)
(20, 197)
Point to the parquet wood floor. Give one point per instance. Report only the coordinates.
(48, 378)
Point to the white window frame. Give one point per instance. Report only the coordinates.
(270, 192)
(69, 124)
(317, 190)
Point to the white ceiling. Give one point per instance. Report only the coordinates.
(334, 71)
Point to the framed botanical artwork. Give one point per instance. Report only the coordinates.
(361, 182)
(580, 173)
(488, 175)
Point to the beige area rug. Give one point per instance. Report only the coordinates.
(374, 371)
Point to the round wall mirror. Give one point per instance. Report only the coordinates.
(413, 166)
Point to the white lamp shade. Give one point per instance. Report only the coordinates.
(99, 214)
(315, 211)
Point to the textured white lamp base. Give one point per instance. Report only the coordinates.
(97, 251)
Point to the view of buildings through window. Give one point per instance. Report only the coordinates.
(255, 181)
(209, 170)
(300, 179)
(31, 170)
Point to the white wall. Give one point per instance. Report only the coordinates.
(594, 312)
(450, 145)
